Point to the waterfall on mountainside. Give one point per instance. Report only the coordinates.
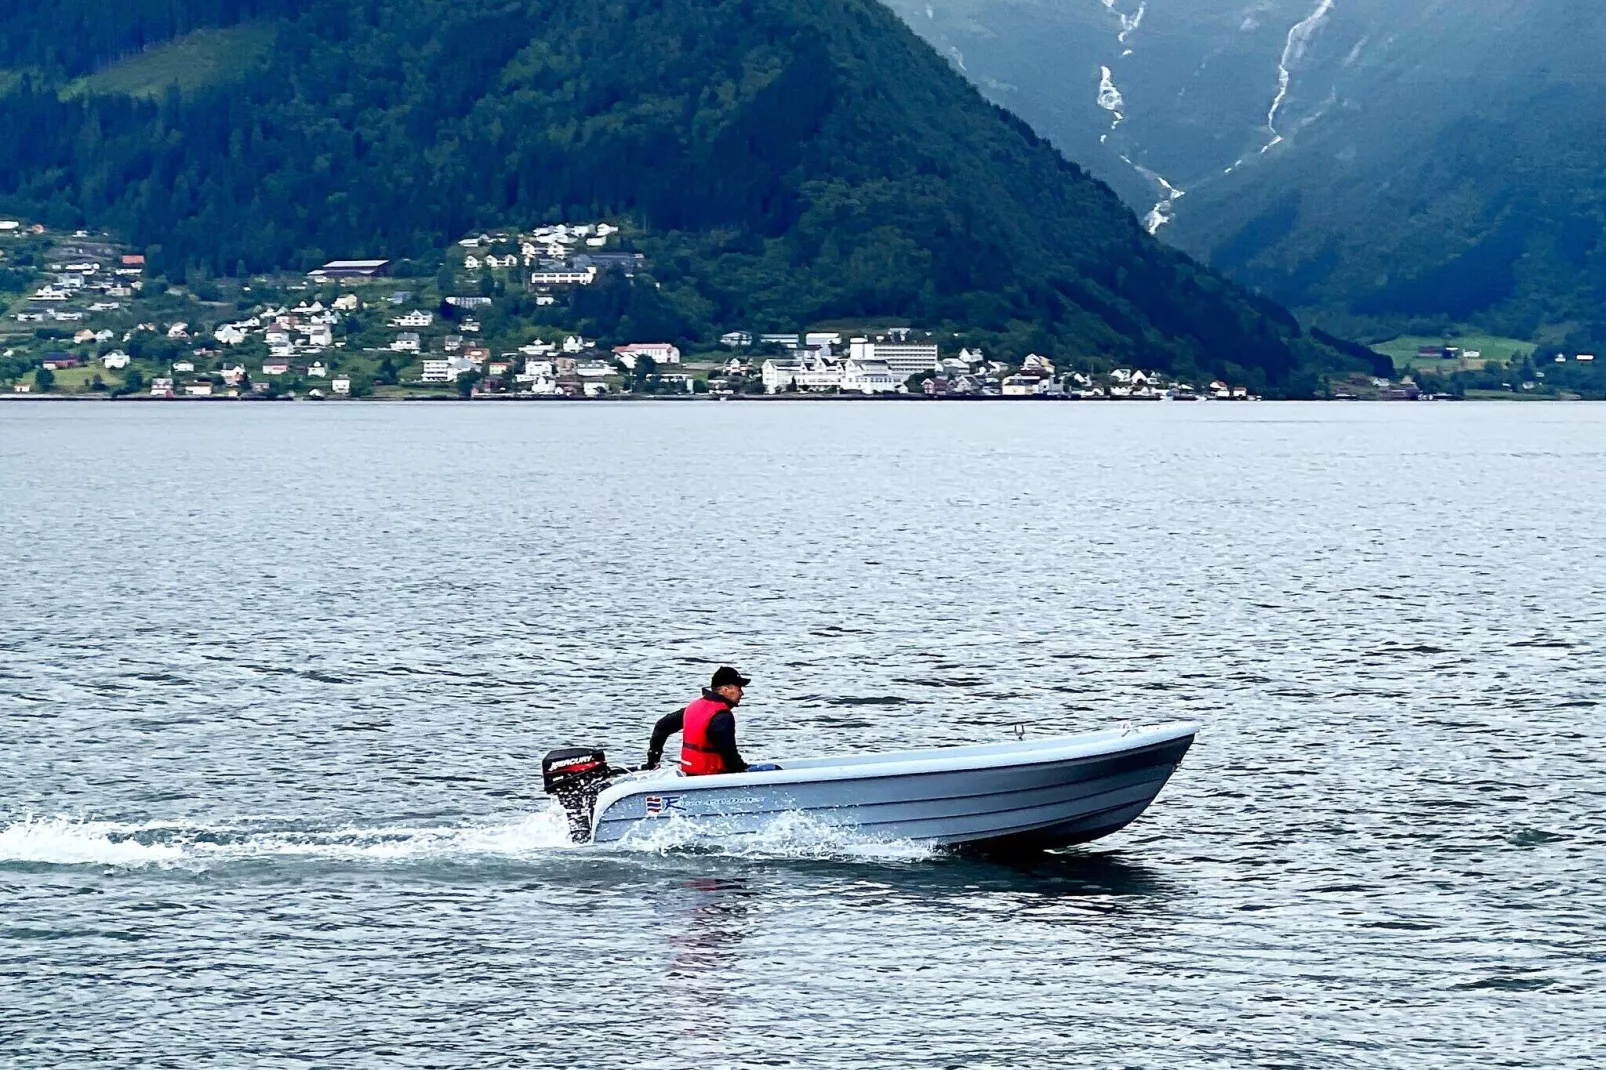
(1299, 39)
(1111, 100)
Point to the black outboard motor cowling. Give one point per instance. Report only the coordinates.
(575, 775)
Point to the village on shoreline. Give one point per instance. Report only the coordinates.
(89, 321)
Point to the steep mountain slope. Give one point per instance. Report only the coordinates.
(793, 160)
(1383, 162)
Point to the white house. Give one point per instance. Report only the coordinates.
(277, 337)
(161, 388)
(316, 370)
(233, 374)
(320, 337)
(178, 330)
(276, 366)
(406, 342)
(446, 369)
(471, 263)
(183, 365)
(1033, 362)
(871, 376)
(347, 303)
(563, 277)
(779, 376)
(115, 360)
(416, 318)
(1020, 386)
(340, 385)
(736, 339)
(198, 389)
(660, 352)
(575, 344)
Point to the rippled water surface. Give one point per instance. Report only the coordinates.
(275, 680)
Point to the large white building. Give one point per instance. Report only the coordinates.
(903, 359)
(805, 372)
(660, 352)
(871, 377)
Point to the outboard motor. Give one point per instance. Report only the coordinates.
(576, 775)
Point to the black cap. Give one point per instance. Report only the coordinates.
(727, 675)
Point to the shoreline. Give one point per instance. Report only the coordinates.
(680, 399)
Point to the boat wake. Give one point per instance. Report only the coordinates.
(787, 836)
(32, 841)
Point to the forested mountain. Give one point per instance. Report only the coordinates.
(791, 161)
(1383, 164)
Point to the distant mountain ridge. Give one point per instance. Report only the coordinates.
(793, 160)
(1382, 164)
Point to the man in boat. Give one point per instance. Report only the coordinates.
(708, 729)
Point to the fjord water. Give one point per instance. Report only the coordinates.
(275, 681)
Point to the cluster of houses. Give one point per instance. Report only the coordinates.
(87, 282)
(821, 363)
(571, 368)
(559, 255)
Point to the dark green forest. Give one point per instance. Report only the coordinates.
(785, 162)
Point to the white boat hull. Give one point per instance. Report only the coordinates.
(1035, 794)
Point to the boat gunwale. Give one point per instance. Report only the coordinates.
(1022, 755)
(632, 821)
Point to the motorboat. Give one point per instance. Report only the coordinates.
(1030, 794)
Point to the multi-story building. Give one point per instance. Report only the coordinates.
(903, 359)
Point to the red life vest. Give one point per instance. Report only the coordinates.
(697, 755)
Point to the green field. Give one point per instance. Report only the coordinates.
(77, 380)
(198, 59)
(1493, 347)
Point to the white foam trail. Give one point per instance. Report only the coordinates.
(787, 836)
(66, 841)
(78, 841)
(1299, 39)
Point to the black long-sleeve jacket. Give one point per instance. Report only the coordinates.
(721, 734)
